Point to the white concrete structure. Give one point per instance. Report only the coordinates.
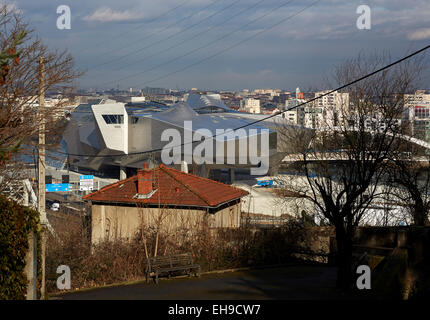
(137, 99)
(103, 136)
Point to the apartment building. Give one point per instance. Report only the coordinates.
(417, 110)
(327, 111)
(251, 105)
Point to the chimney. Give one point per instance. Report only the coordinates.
(184, 167)
(144, 181)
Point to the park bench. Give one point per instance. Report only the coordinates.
(170, 263)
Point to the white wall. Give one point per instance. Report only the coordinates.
(115, 135)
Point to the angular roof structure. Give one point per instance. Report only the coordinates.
(167, 187)
(105, 137)
(202, 102)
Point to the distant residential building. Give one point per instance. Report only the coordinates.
(312, 116)
(281, 98)
(251, 105)
(231, 100)
(242, 94)
(269, 108)
(148, 90)
(417, 110)
(294, 113)
(325, 112)
(374, 122)
(328, 111)
(271, 92)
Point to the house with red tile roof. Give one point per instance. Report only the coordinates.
(164, 198)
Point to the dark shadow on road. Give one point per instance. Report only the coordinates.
(298, 282)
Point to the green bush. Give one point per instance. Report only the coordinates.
(16, 223)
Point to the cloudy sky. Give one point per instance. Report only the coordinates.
(224, 44)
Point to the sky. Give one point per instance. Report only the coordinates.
(224, 44)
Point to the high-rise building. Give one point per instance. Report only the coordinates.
(417, 110)
(295, 114)
(328, 111)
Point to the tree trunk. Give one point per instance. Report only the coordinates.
(156, 244)
(344, 258)
(420, 213)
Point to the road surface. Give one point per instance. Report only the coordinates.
(306, 282)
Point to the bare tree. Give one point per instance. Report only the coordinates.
(346, 161)
(410, 176)
(20, 85)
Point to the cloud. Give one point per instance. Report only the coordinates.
(12, 7)
(106, 14)
(419, 34)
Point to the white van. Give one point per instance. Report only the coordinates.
(55, 206)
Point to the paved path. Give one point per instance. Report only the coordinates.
(291, 282)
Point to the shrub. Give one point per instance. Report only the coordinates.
(16, 223)
(120, 260)
(105, 263)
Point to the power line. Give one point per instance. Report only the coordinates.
(212, 42)
(197, 34)
(173, 35)
(231, 47)
(345, 85)
(165, 13)
(157, 32)
(271, 116)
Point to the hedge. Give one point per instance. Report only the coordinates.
(16, 223)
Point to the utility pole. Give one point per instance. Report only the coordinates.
(41, 169)
(31, 256)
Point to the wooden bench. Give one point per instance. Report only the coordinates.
(167, 264)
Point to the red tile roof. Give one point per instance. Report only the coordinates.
(173, 187)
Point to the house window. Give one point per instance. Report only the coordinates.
(113, 118)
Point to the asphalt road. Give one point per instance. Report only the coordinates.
(306, 282)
